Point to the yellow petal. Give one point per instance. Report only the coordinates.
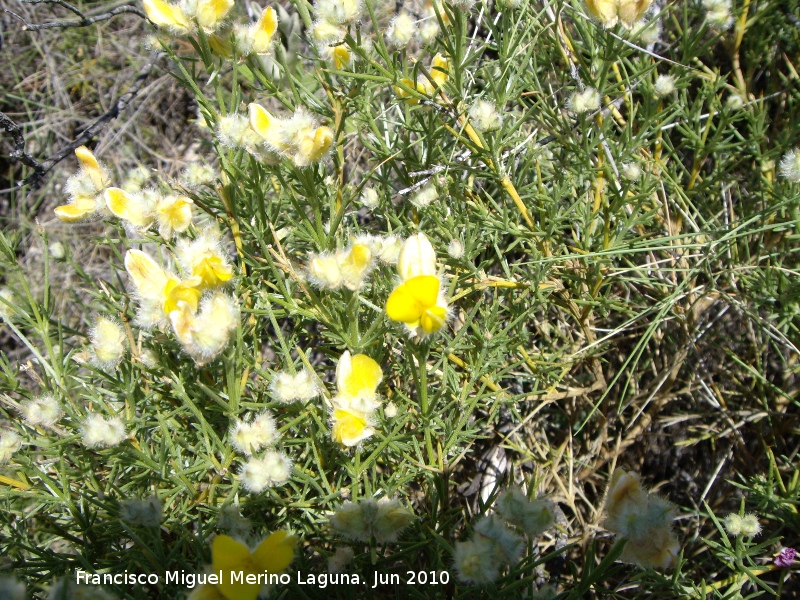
(80, 208)
(260, 119)
(403, 306)
(91, 166)
(433, 319)
(349, 428)
(228, 555)
(275, 553)
(166, 15)
(360, 256)
(267, 25)
(603, 10)
(149, 279)
(405, 95)
(630, 11)
(212, 271)
(440, 68)
(410, 300)
(341, 56)
(425, 289)
(181, 291)
(128, 207)
(211, 12)
(174, 214)
(87, 159)
(365, 375)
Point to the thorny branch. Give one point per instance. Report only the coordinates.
(40, 169)
(83, 20)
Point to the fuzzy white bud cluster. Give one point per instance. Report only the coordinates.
(790, 165)
(10, 442)
(98, 432)
(44, 410)
(483, 116)
(644, 519)
(142, 513)
(586, 101)
(249, 436)
(108, 343)
(290, 387)
(382, 519)
(744, 525)
(258, 474)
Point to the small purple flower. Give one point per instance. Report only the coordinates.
(785, 557)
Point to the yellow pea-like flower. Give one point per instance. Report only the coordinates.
(210, 13)
(154, 285)
(341, 56)
(357, 375)
(129, 207)
(440, 69)
(417, 304)
(176, 291)
(353, 265)
(84, 188)
(313, 146)
(212, 271)
(418, 301)
(174, 215)
(264, 30)
(79, 209)
(272, 555)
(407, 96)
(609, 12)
(350, 427)
(168, 15)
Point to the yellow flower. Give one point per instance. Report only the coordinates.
(358, 378)
(208, 14)
(312, 145)
(264, 31)
(174, 215)
(257, 37)
(84, 188)
(350, 426)
(439, 72)
(417, 303)
(609, 12)
(407, 96)
(203, 257)
(354, 264)
(272, 555)
(155, 286)
(167, 15)
(132, 208)
(357, 381)
(204, 334)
